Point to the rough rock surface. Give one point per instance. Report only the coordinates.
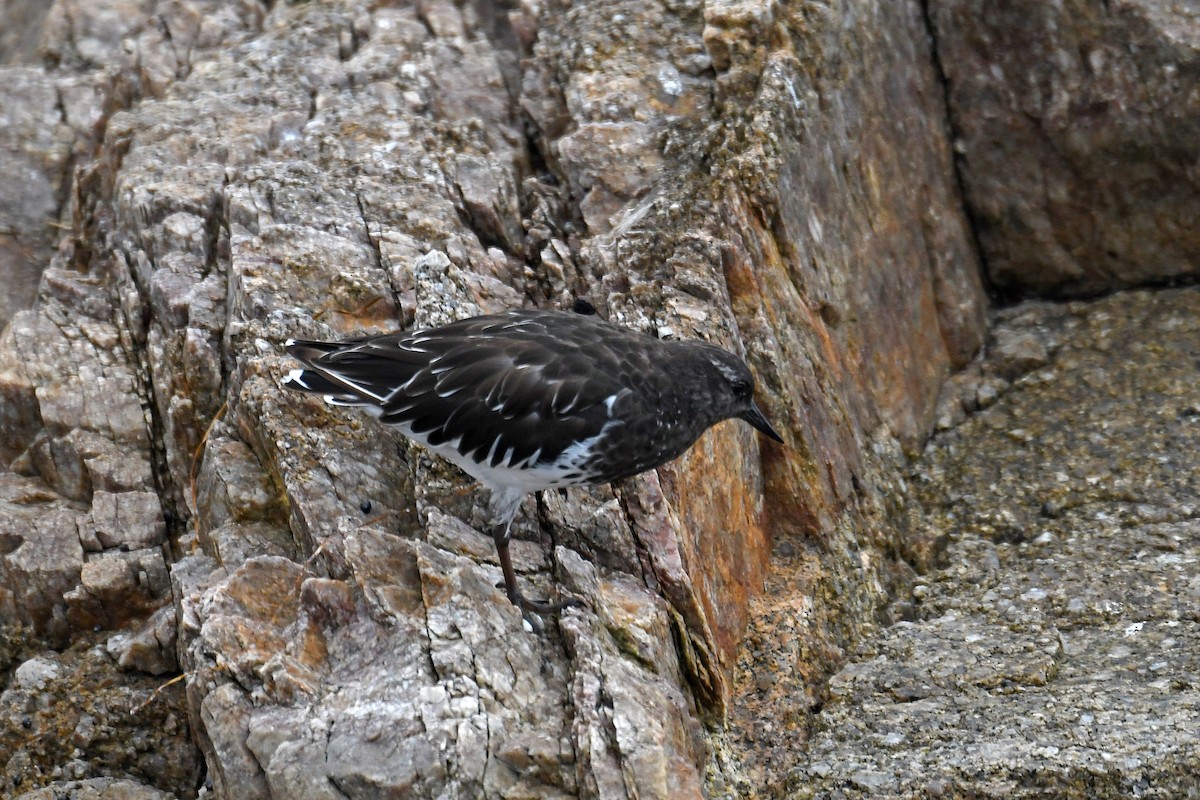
(220, 176)
(1075, 124)
(771, 178)
(81, 714)
(1056, 653)
(47, 123)
(96, 789)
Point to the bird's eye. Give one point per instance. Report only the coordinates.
(742, 389)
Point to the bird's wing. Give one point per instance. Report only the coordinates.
(509, 389)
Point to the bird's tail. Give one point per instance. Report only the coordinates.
(309, 351)
(315, 380)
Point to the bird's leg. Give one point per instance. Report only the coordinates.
(501, 536)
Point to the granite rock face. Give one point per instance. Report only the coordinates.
(777, 182)
(1075, 125)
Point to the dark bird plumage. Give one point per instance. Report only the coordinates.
(531, 400)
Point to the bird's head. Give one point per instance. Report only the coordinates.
(731, 387)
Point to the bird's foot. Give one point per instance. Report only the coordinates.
(543, 606)
(530, 609)
(528, 606)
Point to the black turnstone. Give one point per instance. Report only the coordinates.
(531, 400)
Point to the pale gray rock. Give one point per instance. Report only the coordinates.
(35, 673)
(241, 512)
(42, 556)
(83, 517)
(87, 393)
(87, 439)
(115, 587)
(35, 161)
(127, 520)
(47, 124)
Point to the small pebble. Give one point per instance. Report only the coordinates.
(986, 395)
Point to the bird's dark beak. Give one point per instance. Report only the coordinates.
(755, 417)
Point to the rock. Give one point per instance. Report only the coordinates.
(35, 673)
(1046, 100)
(1072, 659)
(116, 587)
(42, 556)
(151, 648)
(87, 393)
(241, 513)
(776, 181)
(46, 123)
(84, 528)
(353, 168)
(75, 714)
(610, 163)
(1012, 353)
(22, 29)
(128, 521)
(25, 214)
(97, 789)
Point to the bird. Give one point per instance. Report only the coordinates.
(528, 400)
